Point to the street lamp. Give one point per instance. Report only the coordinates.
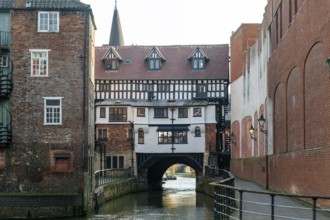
(251, 130)
(261, 121)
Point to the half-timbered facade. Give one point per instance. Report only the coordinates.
(161, 100)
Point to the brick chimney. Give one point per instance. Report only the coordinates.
(22, 3)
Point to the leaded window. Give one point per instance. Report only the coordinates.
(117, 114)
(161, 113)
(39, 63)
(178, 137)
(183, 112)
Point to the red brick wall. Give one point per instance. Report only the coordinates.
(240, 42)
(117, 139)
(31, 159)
(295, 120)
(246, 138)
(210, 133)
(280, 120)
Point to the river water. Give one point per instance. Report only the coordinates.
(178, 200)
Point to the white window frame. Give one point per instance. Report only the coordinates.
(4, 60)
(47, 21)
(34, 51)
(53, 107)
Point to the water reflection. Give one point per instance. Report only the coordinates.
(178, 200)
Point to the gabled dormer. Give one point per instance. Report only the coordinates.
(111, 59)
(198, 59)
(155, 59)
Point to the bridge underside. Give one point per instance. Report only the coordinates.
(152, 166)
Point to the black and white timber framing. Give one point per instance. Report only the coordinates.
(187, 89)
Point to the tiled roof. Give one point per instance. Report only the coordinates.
(56, 4)
(46, 4)
(177, 65)
(5, 4)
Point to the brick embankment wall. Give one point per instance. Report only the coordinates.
(40, 206)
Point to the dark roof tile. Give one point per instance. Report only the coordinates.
(6, 4)
(57, 4)
(177, 65)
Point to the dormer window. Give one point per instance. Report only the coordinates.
(155, 59)
(198, 59)
(111, 59)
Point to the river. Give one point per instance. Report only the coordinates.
(178, 200)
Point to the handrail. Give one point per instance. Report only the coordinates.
(226, 202)
(106, 176)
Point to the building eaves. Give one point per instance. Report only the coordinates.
(56, 4)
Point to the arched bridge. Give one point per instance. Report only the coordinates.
(151, 167)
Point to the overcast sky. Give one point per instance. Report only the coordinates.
(175, 22)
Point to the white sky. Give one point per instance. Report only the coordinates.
(175, 22)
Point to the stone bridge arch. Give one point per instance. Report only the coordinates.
(151, 167)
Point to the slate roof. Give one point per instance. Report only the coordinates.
(46, 4)
(57, 4)
(177, 65)
(6, 4)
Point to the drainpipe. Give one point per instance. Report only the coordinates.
(83, 56)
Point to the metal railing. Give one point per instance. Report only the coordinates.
(111, 175)
(235, 203)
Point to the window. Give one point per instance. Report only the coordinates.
(114, 162)
(141, 136)
(197, 131)
(102, 134)
(4, 61)
(163, 88)
(179, 137)
(183, 112)
(161, 113)
(48, 21)
(197, 112)
(198, 59)
(155, 59)
(201, 91)
(102, 112)
(53, 111)
(140, 112)
(39, 62)
(117, 114)
(112, 64)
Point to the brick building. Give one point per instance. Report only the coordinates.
(163, 102)
(46, 107)
(296, 101)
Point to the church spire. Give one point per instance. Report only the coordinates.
(116, 34)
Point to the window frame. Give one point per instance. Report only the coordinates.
(103, 112)
(140, 136)
(48, 21)
(102, 134)
(196, 113)
(115, 162)
(183, 114)
(39, 61)
(140, 112)
(118, 116)
(59, 107)
(198, 131)
(4, 60)
(157, 115)
(178, 137)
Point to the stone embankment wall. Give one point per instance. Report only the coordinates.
(113, 190)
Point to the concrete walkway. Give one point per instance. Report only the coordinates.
(295, 210)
